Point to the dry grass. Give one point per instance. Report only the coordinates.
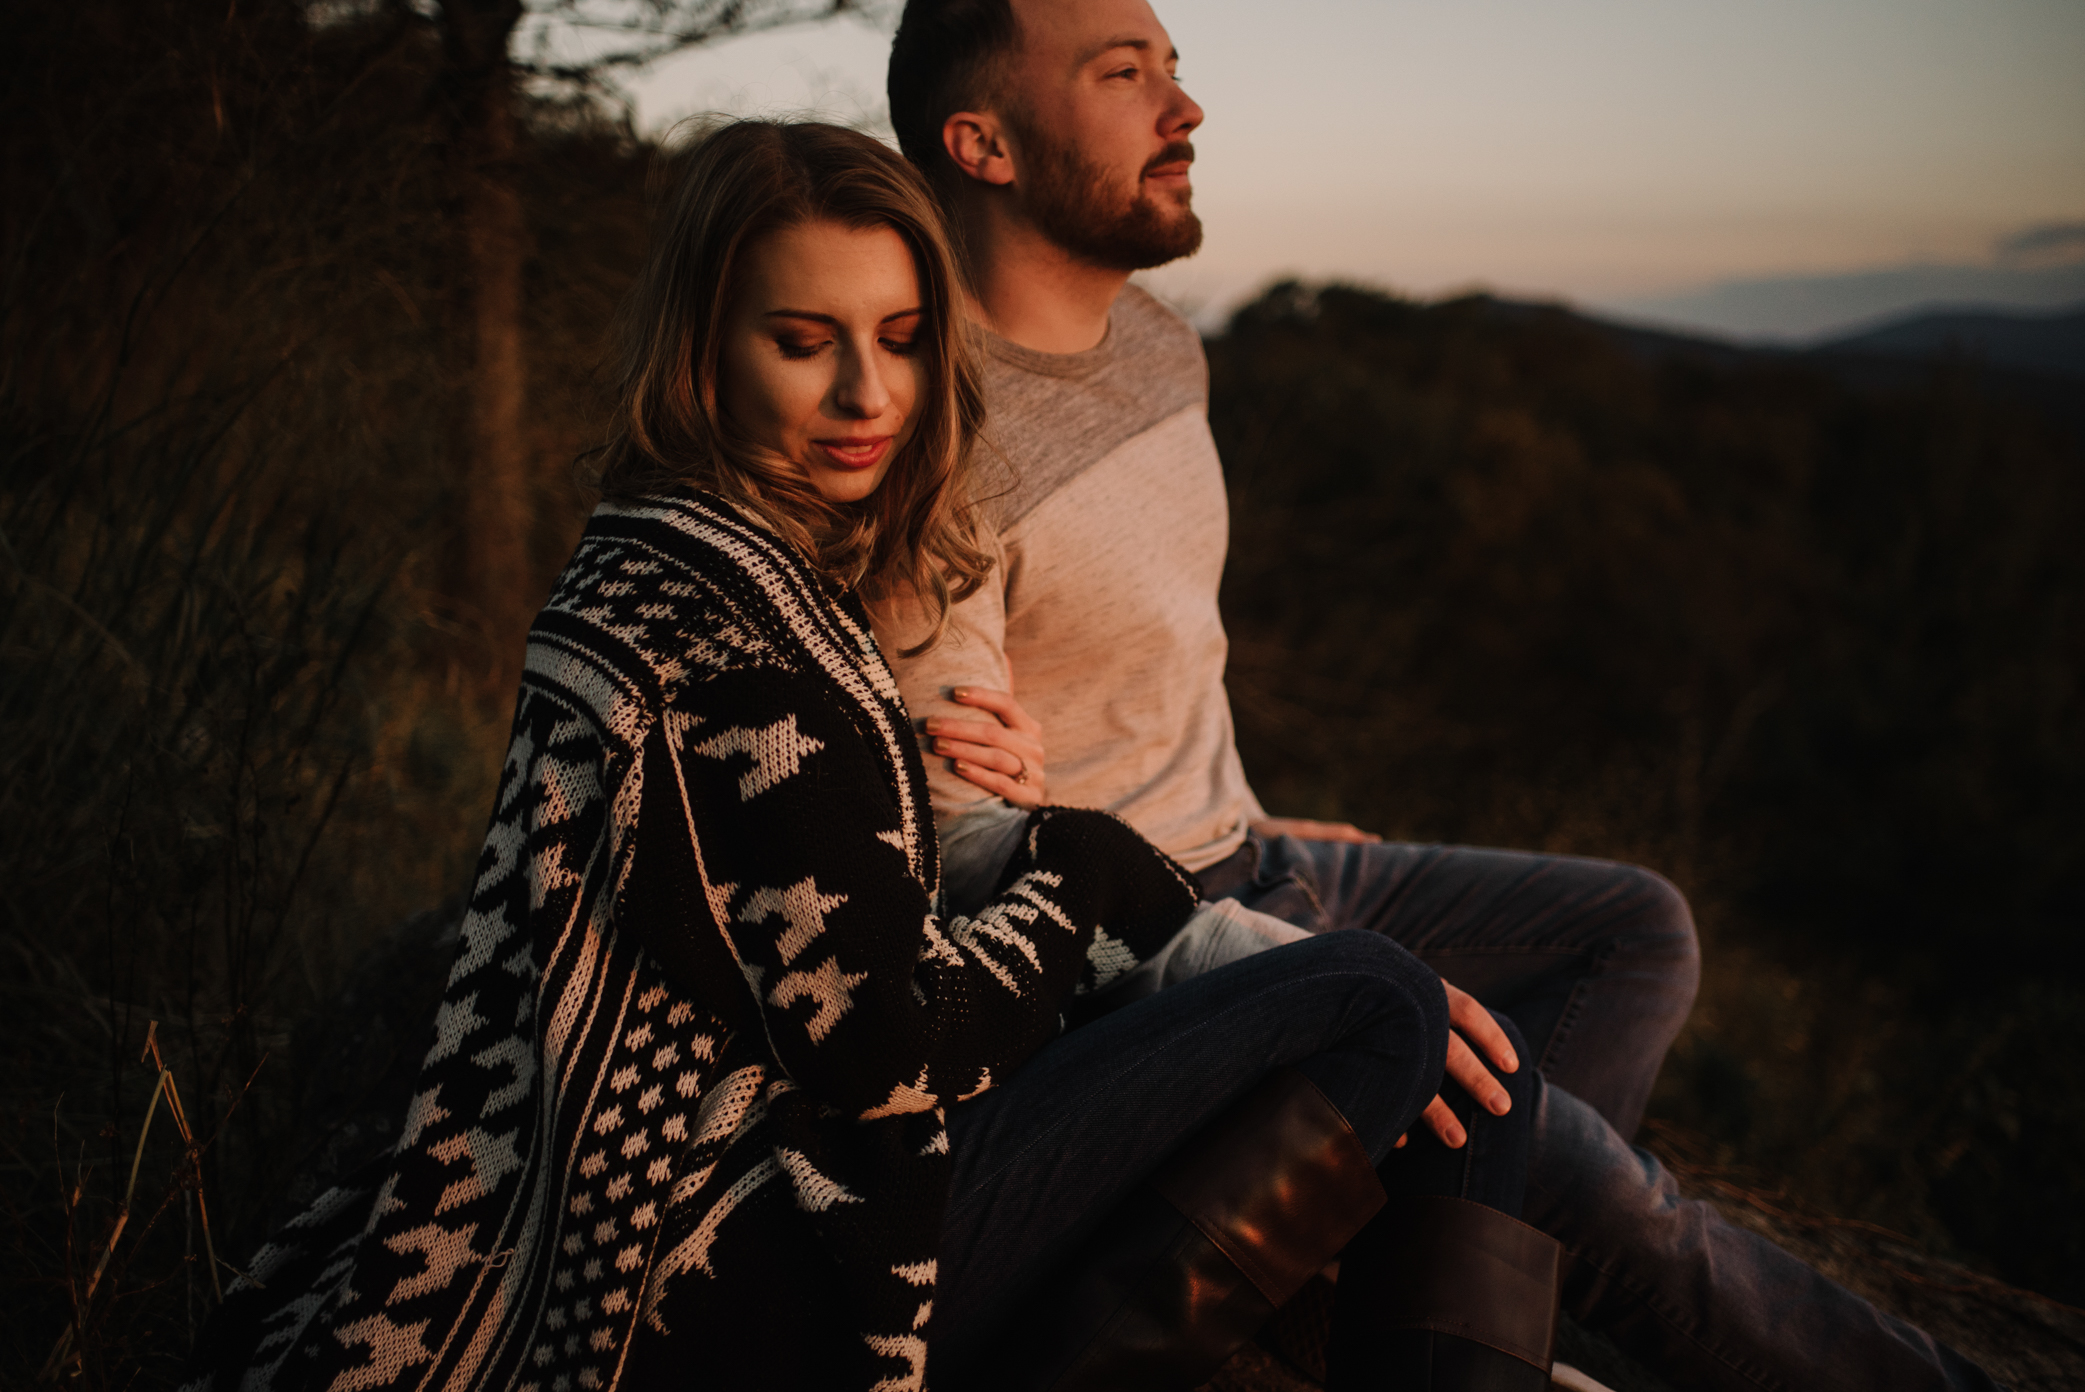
(246, 730)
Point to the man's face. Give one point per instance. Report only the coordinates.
(1099, 129)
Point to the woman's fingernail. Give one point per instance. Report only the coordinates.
(1501, 1104)
(1512, 1063)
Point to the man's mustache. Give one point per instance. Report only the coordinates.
(1179, 152)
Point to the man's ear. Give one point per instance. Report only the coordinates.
(979, 147)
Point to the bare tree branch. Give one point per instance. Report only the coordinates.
(635, 33)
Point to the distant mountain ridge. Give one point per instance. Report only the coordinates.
(1796, 310)
(2051, 343)
(2031, 359)
(2028, 358)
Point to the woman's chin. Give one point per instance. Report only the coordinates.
(839, 485)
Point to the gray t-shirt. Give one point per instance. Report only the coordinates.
(1108, 500)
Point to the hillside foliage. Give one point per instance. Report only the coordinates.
(1817, 652)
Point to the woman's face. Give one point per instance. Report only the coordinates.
(818, 358)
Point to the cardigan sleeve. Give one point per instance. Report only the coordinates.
(801, 908)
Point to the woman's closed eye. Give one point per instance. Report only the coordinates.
(802, 347)
(903, 347)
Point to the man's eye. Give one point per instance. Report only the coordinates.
(1123, 72)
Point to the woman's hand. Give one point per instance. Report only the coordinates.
(1002, 756)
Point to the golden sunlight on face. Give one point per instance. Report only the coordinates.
(1099, 76)
(818, 360)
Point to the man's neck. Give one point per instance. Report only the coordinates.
(1034, 293)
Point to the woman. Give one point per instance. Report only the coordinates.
(687, 1117)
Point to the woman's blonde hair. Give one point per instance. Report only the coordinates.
(748, 179)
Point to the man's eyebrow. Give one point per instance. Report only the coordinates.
(1126, 41)
(815, 317)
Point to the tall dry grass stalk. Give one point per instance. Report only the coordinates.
(185, 1186)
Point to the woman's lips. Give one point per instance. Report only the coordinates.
(864, 453)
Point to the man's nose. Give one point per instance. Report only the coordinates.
(1184, 115)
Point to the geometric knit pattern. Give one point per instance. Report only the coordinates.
(704, 1009)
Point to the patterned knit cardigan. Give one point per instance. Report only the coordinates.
(704, 1011)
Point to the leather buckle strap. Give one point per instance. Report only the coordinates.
(1471, 1271)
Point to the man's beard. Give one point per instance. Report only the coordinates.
(1080, 207)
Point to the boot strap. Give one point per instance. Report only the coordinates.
(1463, 1269)
(1278, 1183)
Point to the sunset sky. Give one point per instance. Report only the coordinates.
(1763, 168)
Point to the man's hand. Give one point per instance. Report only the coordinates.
(1467, 1018)
(1002, 756)
(1304, 829)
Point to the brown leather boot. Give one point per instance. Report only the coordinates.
(1444, 1295)
(1197, 1258)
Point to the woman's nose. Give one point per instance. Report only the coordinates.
(860, 390)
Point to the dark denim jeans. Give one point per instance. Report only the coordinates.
(1597, 963)
(1041, 1160)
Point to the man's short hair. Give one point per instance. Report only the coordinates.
(948, 56)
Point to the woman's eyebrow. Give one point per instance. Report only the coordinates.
(834, 321)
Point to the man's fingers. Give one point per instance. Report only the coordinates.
(1304, 829)
(1466, 1068)
(1441, 1118)
(1467, 1015)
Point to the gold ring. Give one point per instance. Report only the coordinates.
(1021, 777)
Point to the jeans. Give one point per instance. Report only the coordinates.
(1041, 1160)
(1597, 963)
(1705, 1303)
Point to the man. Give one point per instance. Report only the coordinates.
(1058, 137)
